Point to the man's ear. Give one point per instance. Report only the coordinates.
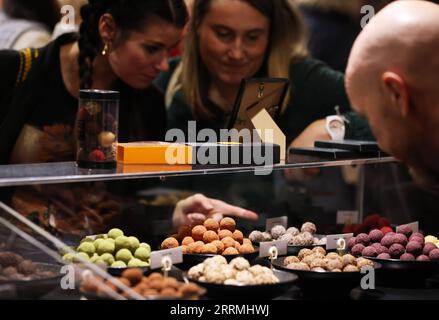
(396, 89)
(107, 28)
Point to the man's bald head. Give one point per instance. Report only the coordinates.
(393, 79)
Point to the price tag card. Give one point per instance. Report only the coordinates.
(413, 225)
(331, 240)
(347, 217)
(270, 223)
(175, 254)
(264, 248)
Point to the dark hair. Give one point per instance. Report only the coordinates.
(46, 12)
(129, 15)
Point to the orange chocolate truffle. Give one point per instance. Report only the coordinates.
(228, 223)
(169, 243)
(187, 241)
(228, 242)
(211, 224)
(225, 233)
(238, 236)
(230, 251)
(219, 246)
(198, 232)
(210, 236)
(209, 249)
(184, 231)
(246, 248)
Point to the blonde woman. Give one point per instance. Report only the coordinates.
(229, 40)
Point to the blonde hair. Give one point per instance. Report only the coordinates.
(287, 44)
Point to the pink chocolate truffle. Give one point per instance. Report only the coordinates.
(358, 249)
(434, 255)
(407, 257)
(382, 249)
(388, 240)
(369, 252)
(351, 243)
(423, 257)
(414, 247)
(384, 256)
(417, 237)
(363, 239)
(396, 250)
(428, 247)
(405, 230)
(401, 239)
(376, 235)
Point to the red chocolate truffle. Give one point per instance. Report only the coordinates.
(384, 256)
(434, 255)
(407, 257)
(405, 230)
(428, 247)
(383, 222)
(396, 250)
(376, 235)
(363, 239)
(423, 257)
(369, 252)
(357, 249)
(414, 247)
(386, 230)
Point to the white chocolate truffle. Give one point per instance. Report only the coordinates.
(256, 236)
(309, 227)
(293, 231)
(277, 231)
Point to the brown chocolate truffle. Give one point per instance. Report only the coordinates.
(27, 267)
(133, 275)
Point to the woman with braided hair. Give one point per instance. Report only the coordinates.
(122, 45)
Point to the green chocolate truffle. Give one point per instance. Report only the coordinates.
(142, 254)
(87, 247)
(105, 247)
(124, 255)
(115, 233)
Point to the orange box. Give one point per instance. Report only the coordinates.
(146, 168)
(154, 153)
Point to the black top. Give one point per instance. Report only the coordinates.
(37, 113)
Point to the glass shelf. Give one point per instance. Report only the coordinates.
(68, 172)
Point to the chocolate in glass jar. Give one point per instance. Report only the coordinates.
(97, 129)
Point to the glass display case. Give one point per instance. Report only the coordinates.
(49, 210)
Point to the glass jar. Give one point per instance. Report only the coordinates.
(97, 129)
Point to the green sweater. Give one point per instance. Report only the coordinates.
(315, 91)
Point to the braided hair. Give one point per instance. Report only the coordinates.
(129, 15)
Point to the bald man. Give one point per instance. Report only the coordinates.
(392, 79)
